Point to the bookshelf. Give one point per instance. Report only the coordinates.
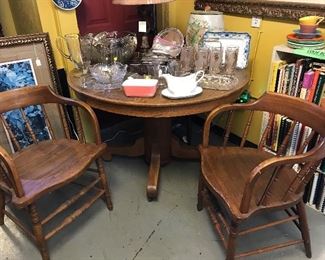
(300, 73)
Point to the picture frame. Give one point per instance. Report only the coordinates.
(27, 60)
(280, 9)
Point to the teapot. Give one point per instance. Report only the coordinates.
(183, 85)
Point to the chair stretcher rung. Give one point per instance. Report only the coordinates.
(74, 215)
(69, 202)
(223, 221)
(269, 248)
(274, 223)
(294, 221)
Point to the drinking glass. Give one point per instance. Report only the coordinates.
(71, 48)
(174, 68)
(215, 61)
(186, 59)
(231, 55)
(201, 59)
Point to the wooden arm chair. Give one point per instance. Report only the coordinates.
(239, 182)
(29, 173)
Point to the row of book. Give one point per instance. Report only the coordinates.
(303, 78)
(315, 190)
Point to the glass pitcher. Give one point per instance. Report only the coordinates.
(78, 52)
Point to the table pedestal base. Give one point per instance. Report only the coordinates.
(158, 146)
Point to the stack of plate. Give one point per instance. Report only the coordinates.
(298, 40)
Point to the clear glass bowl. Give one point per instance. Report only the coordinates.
(105, 46)
(110, 74)
(168, 42)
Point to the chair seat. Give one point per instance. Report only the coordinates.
(48, 165)
(226, 170)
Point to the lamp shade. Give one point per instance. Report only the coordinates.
(139, 2)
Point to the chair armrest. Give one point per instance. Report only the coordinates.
(214, 113)
(314, 155)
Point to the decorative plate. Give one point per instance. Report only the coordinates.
(307, 35)
(293, 38)
(307, 46)
(166, 93)
(67, 4)
(230, 39)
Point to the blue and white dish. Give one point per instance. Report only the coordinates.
(230, 39)
(67, 4)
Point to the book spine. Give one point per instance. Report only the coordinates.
(291, 68)
(319, 88)
(319, 192)
(298, 77)
(281, 78)
(275, 71)
(311, 91)
(313, 188)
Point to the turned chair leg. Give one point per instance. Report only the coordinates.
(199, 204)
(38, 233)
(2, 207)
(304, 228)
(104, 183)
(231, 245)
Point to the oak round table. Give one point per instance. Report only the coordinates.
(157, 144)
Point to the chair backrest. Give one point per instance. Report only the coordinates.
(301, 145)
(24, 116)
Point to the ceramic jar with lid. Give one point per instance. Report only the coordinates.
(200, 22)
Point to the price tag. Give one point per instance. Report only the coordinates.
(38, 62)
(318, 54)
(142, 26)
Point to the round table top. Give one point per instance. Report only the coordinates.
(158, 106)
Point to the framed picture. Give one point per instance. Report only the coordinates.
(283, 9)
(27, 60)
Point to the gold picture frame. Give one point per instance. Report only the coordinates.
(280, 9)
(28, 60)
(36, 47)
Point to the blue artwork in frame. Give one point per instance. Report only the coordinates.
(17, 74)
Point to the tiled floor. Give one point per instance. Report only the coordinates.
(169, 228)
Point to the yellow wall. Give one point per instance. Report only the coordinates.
(6, 20)
(57, 22)
(25, 16)
(271, 33)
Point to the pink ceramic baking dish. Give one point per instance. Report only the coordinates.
(140, 87)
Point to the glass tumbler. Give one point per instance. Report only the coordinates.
(201, 59)
(231, 55)
(215, 61)
(186, 59)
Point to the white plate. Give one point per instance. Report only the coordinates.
(230, 39)
(67, 4)
(166, 93)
